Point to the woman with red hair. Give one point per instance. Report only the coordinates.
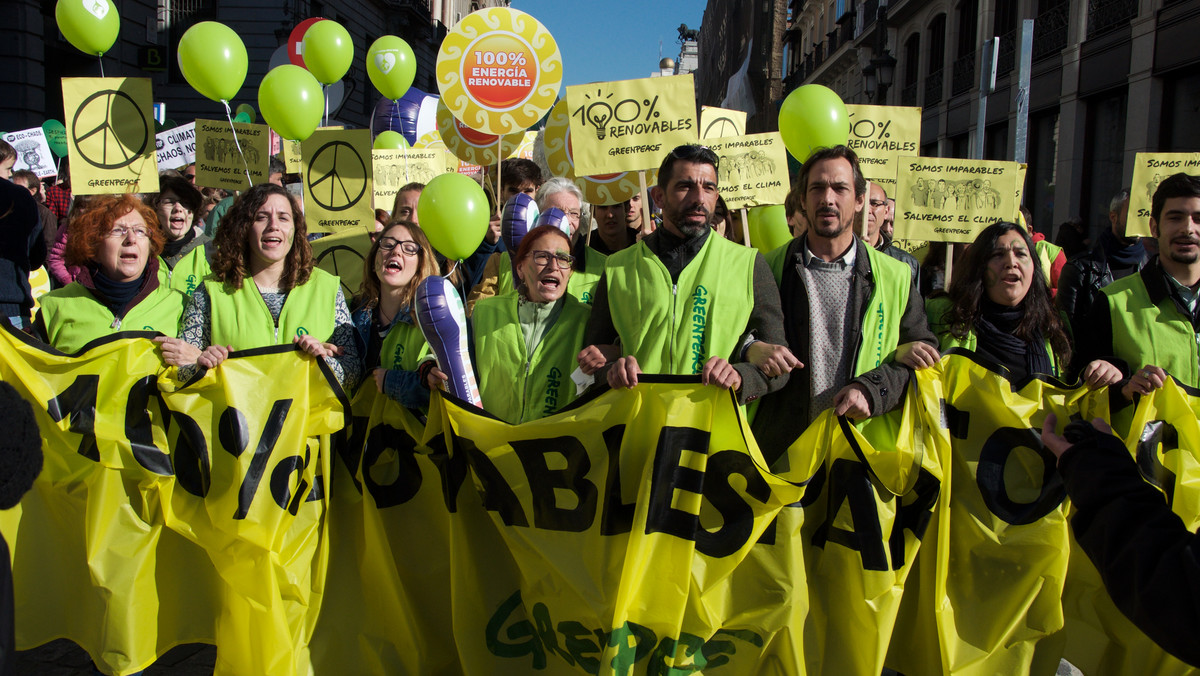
(116, 244)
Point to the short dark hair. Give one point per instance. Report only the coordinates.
(7, 152)
(409, 187)
(1175, 185)
(516, 171)
(275, 166)
(26, 178)
(695, 154)
(831, 153)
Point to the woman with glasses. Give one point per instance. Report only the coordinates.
(390, 341)
(264, 290)
(115, 243)
(526, 342)
(187, 251)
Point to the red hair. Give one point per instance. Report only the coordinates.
(91, 227)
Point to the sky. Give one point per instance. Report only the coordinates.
(617, 40)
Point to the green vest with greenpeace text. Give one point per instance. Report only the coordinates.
(73, 317)
(883, 310)
(187, 274)
(581, 285)
(241, 318)
(403, 348)
(516, 390)
(676, 328)
(1145, 333)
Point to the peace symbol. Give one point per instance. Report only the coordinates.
(723, 127)
(337, 176)
(123, 128)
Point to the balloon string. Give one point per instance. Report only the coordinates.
(236, 143)
(453, 266)
(326, 93)
(101, 60)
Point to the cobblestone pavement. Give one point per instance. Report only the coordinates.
(64, 658)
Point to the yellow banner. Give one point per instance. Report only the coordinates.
(630, 125)
(168, 514)
(393, 169)
(110, 134)
(433, 141)
(600, 189)
(880, 136)
(721, 122)
(1149, 169)
(336, 172)
(751, 170)
(218, 162)
(950, 200)
(291, 150)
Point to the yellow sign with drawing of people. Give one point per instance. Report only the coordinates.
(223, 161)
(951, 200)
(396, 168)
(110, 134)
(751, 170)
(1149, 169)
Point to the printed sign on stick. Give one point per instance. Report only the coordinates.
(110, 131)
(1149, 169)
(220, 164)
(336, 171)
(951, 200)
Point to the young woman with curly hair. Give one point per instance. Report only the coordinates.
(265, 291)
(115, 243)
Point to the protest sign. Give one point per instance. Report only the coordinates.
(220, 164)
(499, 70)
(751, 170)
(291, 150)
(33, 152)
(1149, 169)
(721, 122)
(336, 172)
(880, 136)
(471, 146)
(110, 133)
(629, 125)
(176, 147)
(525, 148)
(395, 168)
(598, 189)
(951, 200)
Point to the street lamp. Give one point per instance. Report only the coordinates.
(870, 81)
(884, 68)
(880, 73)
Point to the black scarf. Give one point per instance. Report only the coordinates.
(996, 340)
(113, 294)
(1121, 254)
(172, 249)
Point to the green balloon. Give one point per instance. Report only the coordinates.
(242, 117)
(328, 51)
(811, 117)
(291, 102)
(391, 65)
(91, 26)
(213, 60)
(56, 137)
(248, 110)
(454, 214)
(390, 140)
(769, 228)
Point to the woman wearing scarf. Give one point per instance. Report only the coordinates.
(187, 251)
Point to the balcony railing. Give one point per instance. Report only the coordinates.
(1006, 62)
(964, 75)
(1107, 15)
(908, 95)
(933, 87)
(1050, 31)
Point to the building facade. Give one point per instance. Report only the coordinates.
(36, 55)
(1109, 79)
(741, 59)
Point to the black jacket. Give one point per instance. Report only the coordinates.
(1148, 559)
(1080, 282)
(783, 416)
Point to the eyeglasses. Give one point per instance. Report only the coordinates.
(170, 203)
(407, 247)
(120, 231)
(562, 261)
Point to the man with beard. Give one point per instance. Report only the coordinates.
(1114, 257)
(683, 301)
(846, 308)
(1151, 320)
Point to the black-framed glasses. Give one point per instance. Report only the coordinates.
(562, 261)
(875, 204)
(407, 247)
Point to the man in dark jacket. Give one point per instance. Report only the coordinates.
(21, 249)
(846, 308)
(1114, 256)
(879, 210)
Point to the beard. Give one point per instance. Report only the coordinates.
(678, 216)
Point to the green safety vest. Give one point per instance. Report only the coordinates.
(883, 311)
(512, 388)
(188, 272)
(74, 317)
(581, 285)
(403, 348)
(241, 318)
(1046, 253)
(1145, 333)
(935, 308)
(667, 326)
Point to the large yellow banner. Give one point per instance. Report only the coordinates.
(110, 134)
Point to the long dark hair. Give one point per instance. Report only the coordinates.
(231, 262)
(967, 292)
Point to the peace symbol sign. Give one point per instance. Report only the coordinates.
(342, 260)
(720, 128)
(337, 176)
(119, 139)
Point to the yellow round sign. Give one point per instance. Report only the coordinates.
(433, 141)
(499, 70)
(604, 189)
(470, 145)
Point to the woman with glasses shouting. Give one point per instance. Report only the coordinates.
(525, 342)
(116, 244)
(389, 339)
